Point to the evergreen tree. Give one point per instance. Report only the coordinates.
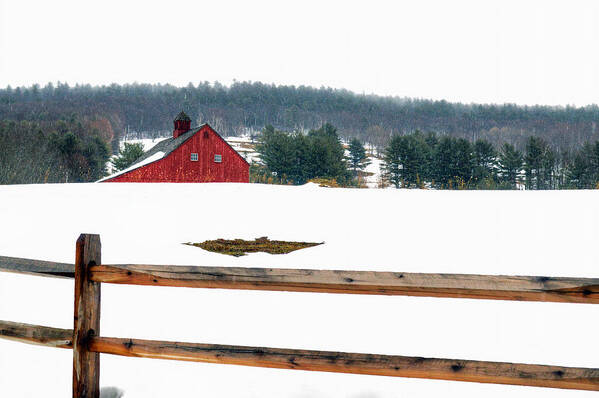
(96, 153)
(406, 160)
(442, 161)
(414, 153)
(453, 163)
(276, 151)
(327, 155)
(485, 162)
(70, 148)
(357, 156)
(299, 169)
(127, 155)
(583, 172)
(539, 163)
(392, 162)
(510, 164)
(464, 162)
(431, 141)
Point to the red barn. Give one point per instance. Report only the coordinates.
(190, 155)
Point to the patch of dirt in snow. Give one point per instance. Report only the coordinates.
(240, 247)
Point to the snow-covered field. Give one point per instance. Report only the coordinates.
(147, 143)
(245, 147)
(375, 167)
(524, 233)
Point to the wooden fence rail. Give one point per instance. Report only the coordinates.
(488, 287)
(37, 267)
(33, 334)
(324, 361)
(87, 343)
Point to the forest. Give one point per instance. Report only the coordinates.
(246, 107)
(37, 152)
(59, 133)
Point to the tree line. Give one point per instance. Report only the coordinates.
(246, 107)
(420, 160)
(445, 162)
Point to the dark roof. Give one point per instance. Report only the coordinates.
(170, 144)
(183, 116)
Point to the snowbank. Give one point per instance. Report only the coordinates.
(521, 233)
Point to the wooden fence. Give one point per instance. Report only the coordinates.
(87, 343)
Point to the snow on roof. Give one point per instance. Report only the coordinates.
(147, 160)
(164, 148)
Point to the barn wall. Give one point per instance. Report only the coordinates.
(178, 167)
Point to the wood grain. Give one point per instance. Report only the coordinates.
(340, 362)
(494, 287)
(368, 364)
(34, 334)
(86, 364)
(36, 267)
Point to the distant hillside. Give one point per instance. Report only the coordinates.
(248, 107)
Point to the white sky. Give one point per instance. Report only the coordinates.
(525, 52)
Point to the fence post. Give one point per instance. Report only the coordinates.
(86, 364)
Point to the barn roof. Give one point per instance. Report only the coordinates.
(170, 144)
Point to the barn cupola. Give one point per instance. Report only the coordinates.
(182, 124)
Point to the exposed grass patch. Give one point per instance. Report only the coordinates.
(363, 173)
(325, 182)
(248, 145)
(240, 247)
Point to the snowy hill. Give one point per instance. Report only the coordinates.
(519, 233)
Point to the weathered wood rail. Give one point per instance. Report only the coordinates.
(87, 343)
(522, 288)
(37, 267)
(488, 287)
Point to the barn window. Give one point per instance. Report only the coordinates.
(206, 134)
(218, 158)
(194, 157)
